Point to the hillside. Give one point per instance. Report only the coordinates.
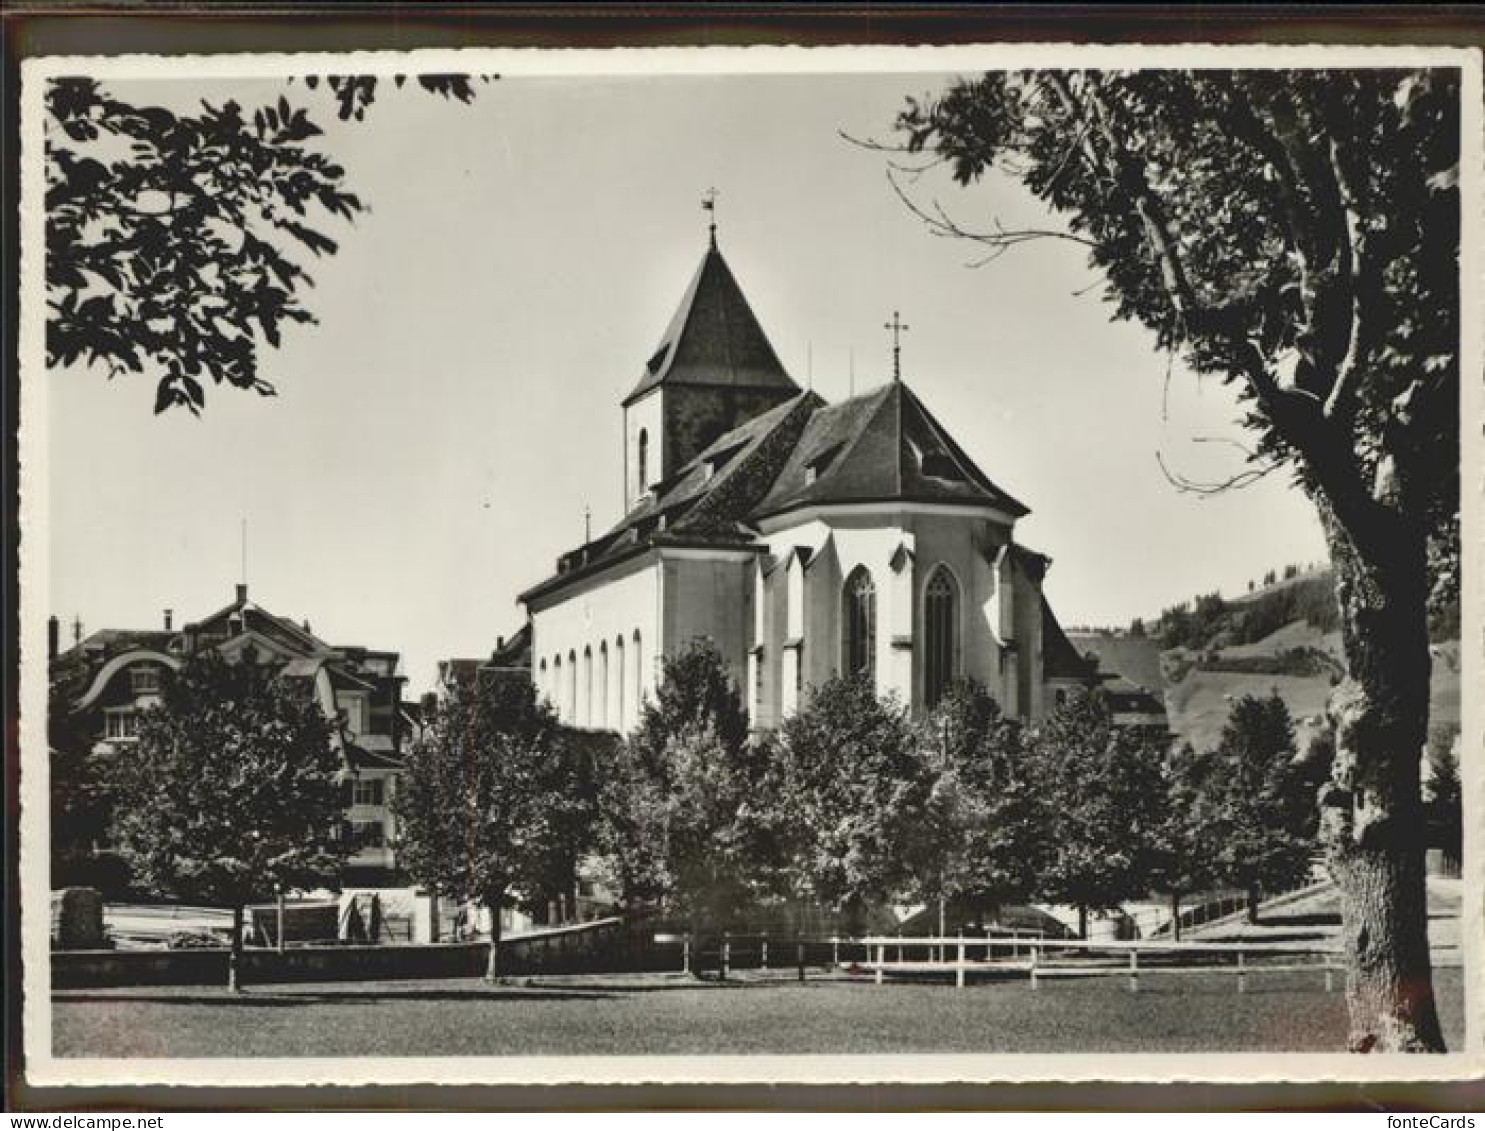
(1281, 638)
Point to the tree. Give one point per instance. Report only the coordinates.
(496, 802)
(980, 839)
(1256, 805)
(175, 240)
(1104, 827)
(695, 690)
(1443, 797)
(232, 792)
(1295, 233)
(1187, 852)
(678, 815)
(80, 793)
(844, 792)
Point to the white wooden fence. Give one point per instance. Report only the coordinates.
(1040, 957)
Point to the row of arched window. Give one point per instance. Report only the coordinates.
(603, 687)
(940, 625)
(599, 688)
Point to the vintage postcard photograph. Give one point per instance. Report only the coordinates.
(751, 564)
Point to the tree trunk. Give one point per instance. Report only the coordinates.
(234, 954)
(1175, 915)
(697, 967)
(492, 958)
(1253, 904)
(1371, 812)
(1082, 920)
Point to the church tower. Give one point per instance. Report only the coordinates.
(714, 369)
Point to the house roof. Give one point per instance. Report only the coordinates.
(714, 339)
(1060, 659)
(111, 641)
(360, 758)
(1135, 658)
(881, 446)
(516, 650)
(459, 669)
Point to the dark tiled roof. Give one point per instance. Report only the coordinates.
(714, 339)
(516, 652)
(360, 758)
(459, 669)
(1033, 564)
(1060, 659)
(881, 446)
(1135, 658)
(708, 501)
(108, 642)
(71, 672)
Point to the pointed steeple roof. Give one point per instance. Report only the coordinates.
(879, 447)
(714, 339)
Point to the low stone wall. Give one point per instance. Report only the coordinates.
(605, 946)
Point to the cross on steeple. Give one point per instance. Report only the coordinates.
(709, 204)
(897, 326)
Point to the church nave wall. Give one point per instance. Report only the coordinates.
(593, 653)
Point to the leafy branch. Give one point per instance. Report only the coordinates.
(175, 242)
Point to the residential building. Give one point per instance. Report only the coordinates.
(102, 683)
(1127, 668)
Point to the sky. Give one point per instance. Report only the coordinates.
(438, 434)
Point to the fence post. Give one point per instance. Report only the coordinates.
(726, 954)
(899, 947)
(1329, 973)
(881, 960)
(764, 959)
(834, 950)
(959, 969)
(799, 955)
(1241, 975)
(686, 954)
(1034, 950)
(1134, 971)
(1015, 943)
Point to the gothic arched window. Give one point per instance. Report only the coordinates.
(940, 620)
(619, 683)
(603, 691)
(586, 719)
(636, 658)
(644, 459)
(859, 624)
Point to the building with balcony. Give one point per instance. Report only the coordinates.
(101, 684)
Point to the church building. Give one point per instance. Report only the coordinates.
(804, 539)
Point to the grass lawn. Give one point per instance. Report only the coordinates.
(667, 1014)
